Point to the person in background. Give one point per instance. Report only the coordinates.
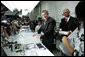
(47, 29)
(68, 23)
(2, 32)
(8, 29)
(78, 40)
(13, 28)
(32, 26)
(6, 35)
(38, 26)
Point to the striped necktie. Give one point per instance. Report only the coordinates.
(66, 21)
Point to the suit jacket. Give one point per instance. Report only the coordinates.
(48, 30)
(71, 25)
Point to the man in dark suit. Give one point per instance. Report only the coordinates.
(47, 30)
(68, 23)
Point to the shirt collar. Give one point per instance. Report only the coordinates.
(68, 18)
(47, 18)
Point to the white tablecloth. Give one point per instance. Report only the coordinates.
(25, 37)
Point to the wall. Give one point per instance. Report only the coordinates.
(55, 9)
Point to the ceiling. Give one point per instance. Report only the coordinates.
(25, 6)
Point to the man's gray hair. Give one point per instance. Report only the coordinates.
(45, 11)
(68, 10)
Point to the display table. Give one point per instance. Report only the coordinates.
(30, 46)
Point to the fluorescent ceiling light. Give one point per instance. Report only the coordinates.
(26, 6)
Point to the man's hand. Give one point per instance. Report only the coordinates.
(39, 35)
(34, 35)
(67, 44)
(64, 39)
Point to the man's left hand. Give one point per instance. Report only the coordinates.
(39, 35)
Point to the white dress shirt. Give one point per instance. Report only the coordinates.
(37, 28)
(67, 18)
